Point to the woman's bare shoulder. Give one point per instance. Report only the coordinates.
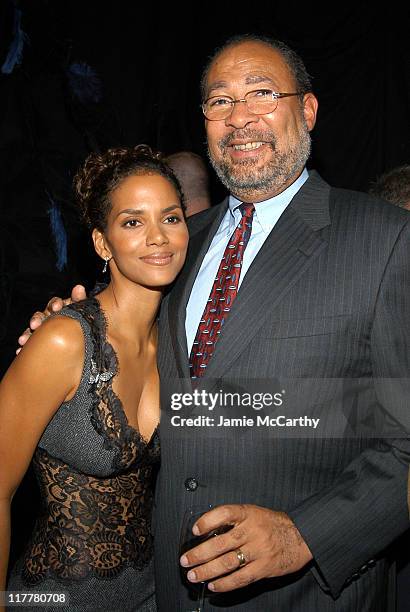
(58, 333)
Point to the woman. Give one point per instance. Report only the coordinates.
(82, 399)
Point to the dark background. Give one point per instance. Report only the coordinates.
(149, 58)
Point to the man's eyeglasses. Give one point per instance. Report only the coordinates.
(258, 102)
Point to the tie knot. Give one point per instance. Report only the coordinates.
(246, 210)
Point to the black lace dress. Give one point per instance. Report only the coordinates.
(96, 474)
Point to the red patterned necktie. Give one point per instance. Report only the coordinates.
(223, 294)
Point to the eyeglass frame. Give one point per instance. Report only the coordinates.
(276, 95)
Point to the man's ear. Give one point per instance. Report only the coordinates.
(310, 106)
(100, 244)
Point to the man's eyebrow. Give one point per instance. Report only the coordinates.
(216, 85)
(136, 211)
(250, 80)
(255, 79)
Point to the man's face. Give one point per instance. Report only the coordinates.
(278, 144)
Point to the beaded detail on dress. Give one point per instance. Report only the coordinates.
(91, 525)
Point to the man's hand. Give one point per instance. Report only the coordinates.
(55, 304)
(261, 544)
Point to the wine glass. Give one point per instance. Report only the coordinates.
(187, 541)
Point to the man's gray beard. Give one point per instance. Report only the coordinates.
(271, 177)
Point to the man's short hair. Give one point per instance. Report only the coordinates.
(394, 186)
(291, 58)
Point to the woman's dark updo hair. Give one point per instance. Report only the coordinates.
(101, 173)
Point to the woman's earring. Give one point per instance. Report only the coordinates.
(107, 259)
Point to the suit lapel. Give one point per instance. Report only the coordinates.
(285, 256)
(287, 253)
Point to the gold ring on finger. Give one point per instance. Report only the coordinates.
(241, 557)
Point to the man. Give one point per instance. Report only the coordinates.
(323, 295)
(192, 173)
(394, 186)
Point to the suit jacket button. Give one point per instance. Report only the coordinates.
(191, 484)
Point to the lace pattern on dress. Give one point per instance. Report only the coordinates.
(107, 414)
(93, 526)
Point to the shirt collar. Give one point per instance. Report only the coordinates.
(268, 211)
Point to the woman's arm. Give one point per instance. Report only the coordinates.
(44, 375)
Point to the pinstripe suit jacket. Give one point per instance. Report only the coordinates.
(326, 298)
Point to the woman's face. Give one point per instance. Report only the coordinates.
(146, 234)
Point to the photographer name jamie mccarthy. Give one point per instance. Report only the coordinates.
(244, 421)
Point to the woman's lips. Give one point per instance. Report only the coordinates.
(158, 259)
